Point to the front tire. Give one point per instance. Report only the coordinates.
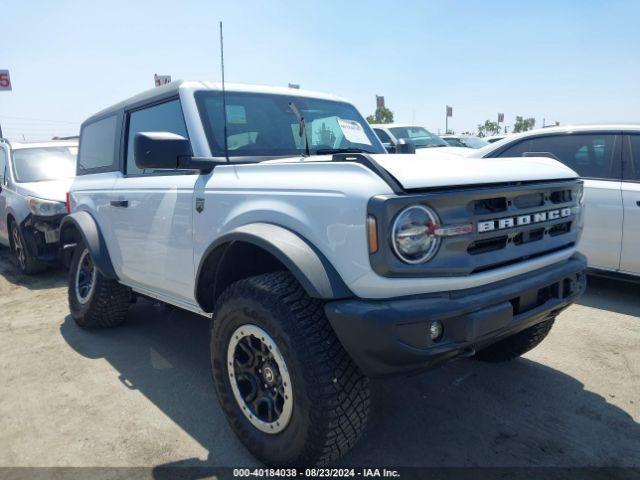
(24, 260)
(94, 300)
(516, 345)
(289, 390)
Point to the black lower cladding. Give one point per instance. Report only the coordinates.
(33, 231)
(391, 337)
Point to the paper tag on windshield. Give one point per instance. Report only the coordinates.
(353, 131)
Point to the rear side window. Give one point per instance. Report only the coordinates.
(591, 155)
(162, 117)
(97, 146)
(632, 159)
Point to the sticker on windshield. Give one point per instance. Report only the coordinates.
(236, 115)
(353, 131)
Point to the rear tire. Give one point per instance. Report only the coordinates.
(23, 259)
(95, 301)
(288, 333)
(516, 345)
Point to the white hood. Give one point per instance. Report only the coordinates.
(442, 170)
(47, 190)
(427, 152)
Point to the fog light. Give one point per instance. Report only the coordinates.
(435, 331)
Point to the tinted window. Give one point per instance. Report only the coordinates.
(97, 142)
(382, 135)
(3, 166)
(517, 150)
(44, 163)
(164, 117)
(263, 125)
(592, 155)
(632, 163)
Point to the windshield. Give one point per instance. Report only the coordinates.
(39, 164)
(261, 124)
(421, 137)
(455, 142)
(473, 142)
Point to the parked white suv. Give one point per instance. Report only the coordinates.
(34, 180)
(607, 158)
(320, 259)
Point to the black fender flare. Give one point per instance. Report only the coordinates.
(305, 262)
(86, 225)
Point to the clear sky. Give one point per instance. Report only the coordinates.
(570, 61)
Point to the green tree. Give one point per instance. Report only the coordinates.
(488, 128)
(523, 124)
(382, 115)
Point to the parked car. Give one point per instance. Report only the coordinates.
(468, 141)
(392, 135)
(320, 259)
(607, 157)
(34, 179)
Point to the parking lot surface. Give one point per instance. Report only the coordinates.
(141, 394)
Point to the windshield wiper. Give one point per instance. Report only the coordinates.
(329, 151)
(303, 126)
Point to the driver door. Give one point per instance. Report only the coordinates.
(152, 213)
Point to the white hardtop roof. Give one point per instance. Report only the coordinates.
(49, 143)
(178, 85)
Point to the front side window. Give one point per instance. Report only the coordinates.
(473, 142)
(97, 146)
(632, 163)
(163, 117)
(421, 137)
(265, 125)
(39, 164)
(591, 155)
(517, 149)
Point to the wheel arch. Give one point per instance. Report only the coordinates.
(82, 226)
(260, 248)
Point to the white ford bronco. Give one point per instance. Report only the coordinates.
(321, 260)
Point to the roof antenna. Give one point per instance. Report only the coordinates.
(224, 97)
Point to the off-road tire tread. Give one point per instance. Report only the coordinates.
(110, 303)
(338, 389)
(516, 345)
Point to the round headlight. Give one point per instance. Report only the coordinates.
(414, 239)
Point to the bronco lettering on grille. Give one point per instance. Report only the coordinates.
(520, 220)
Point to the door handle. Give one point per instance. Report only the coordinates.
(120, 203)
(638, 203)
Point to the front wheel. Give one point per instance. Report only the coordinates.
(516, 345)
(94, 300)
(289, 390)
(25, 261)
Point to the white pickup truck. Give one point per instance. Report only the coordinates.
(320, 259)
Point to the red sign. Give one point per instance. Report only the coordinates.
(5, 80)
(160, 80)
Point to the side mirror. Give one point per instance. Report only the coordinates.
(160, 150)
(389, 147)
(405, 145)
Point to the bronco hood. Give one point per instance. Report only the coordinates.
(444, 170)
